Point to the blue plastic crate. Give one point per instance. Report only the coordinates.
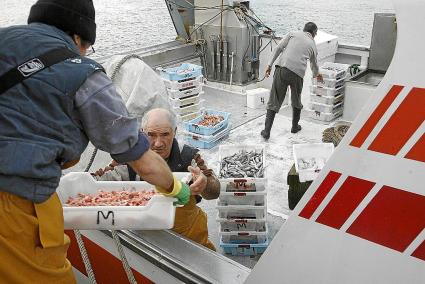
(244, 249)
(182, 72)
(207, 142)
(193, 127)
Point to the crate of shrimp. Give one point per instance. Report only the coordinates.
(184, 71)
(310, 158)
(113, 205)
(208, 123)
(242, 162)
(204, 141)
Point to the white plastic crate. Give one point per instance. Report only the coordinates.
(329, 83)
(184, 71)
(325, 107)
(157, 214)
(182, 110)
(258, 198)
(242, 185)
(329, 92)
(242, 224)
(232, 212)
(191, 91)
(257, 98)
(189, 116)
(183, 85)
(324, 116)
(243, 237)
(329, 100)
(229, 150)
(186, 101)
(331, 70)
(244, 249)
(310, 158)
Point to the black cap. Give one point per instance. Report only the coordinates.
(74, 16)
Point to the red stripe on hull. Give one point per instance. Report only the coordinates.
(420, 251)
(417, 152)
(394, 218)
(402, 125)
(344, 202)
(376, 116)
(320, 194)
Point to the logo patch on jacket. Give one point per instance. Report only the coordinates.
(30, 67)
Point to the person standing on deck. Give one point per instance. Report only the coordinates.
(53, 100)
(294, 50)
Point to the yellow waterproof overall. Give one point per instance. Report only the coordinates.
(33, 245)
(191, 222)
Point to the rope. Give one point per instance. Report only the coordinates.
(334, 134)
(124, 261)
(117, 241)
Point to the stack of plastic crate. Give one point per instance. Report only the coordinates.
(327, 97)
(184, 84)
(242, 205)
(207, 137)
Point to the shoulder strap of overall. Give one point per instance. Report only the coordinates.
(30, 67)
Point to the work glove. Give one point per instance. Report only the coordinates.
(180, 191)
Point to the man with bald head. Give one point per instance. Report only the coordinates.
(160, 126)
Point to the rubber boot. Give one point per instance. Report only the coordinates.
(296, 114)
(268, 124)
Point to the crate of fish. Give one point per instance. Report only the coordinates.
(329, 100)
(232, 212)
(333, 70)
(310, 158)
(330, 92)
(244, 249)
(242, 224)
(184, 71)
(242, 161)
(329, 83)
(242, 185)
(184, 93)
(185, 84)
(113, 205)
(210, 122)
(243, 237)
(206, 142)
(195, 99)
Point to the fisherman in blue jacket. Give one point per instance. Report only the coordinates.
(53, 100)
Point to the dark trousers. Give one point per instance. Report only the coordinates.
(283, 78)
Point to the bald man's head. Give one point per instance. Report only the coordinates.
(160, 126)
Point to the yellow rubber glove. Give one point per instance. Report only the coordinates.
(180, 191)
